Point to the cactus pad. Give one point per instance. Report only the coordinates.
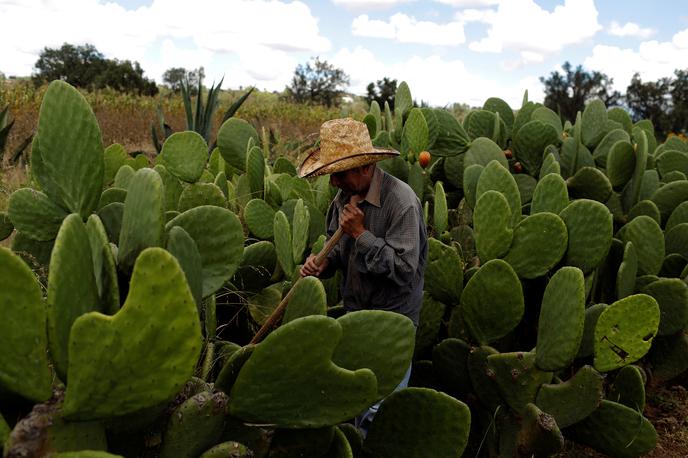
(648, 239)
(497, 178)
(290, 380)
(517, 378)
(539, 243)
(492, 302)
(562, 315)
(159, 319)
(184, 155)
(573, 400)
(616, 430)
(143, 218)
(624, 331)
(24, 370)
(34, 214)
(589, 226)
(308, 298)
(413, 421)
(443, 272)
(220, 241)
(232, 140)
(551, 195)
(492, 225)
(377, 340)
(68, 150)
(72, 288)
(197, 194)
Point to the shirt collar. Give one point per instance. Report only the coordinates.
(373, 194)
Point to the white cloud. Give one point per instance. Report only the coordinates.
(369, 4)
(407, 29)
(260, 33)
(365, 27)
(522, 25)
(652, 60)
(468, 3)
(629, 29)
(433, 79)
(680, 40)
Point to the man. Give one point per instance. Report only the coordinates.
(383, 250)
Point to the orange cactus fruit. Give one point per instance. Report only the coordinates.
(508, 153)
(424, 159)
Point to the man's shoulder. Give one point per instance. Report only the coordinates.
(398, 192)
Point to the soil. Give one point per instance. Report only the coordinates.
(667, 409)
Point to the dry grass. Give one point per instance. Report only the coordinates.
(128, 119)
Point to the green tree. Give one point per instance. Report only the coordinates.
(568, 93)
(651, 100)
(318, 82)
(382, 91)
(679, 101)
(85, 67)
(175, 76)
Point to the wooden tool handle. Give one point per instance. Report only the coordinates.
(276, 315)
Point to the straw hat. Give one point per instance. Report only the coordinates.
(344, 144)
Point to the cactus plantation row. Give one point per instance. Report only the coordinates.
(554, 292)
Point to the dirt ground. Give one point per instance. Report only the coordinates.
(667, 409)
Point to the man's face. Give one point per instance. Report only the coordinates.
(354, 181)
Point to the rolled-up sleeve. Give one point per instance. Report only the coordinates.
(396, 255)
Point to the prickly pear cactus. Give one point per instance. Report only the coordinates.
(106, 375)
(24, 370)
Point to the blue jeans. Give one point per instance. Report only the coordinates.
(363, 421)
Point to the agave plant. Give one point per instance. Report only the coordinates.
(200, 120)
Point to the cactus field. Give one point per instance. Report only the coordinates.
(555, 292)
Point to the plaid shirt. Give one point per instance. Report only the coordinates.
(383, 269)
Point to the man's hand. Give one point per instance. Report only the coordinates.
(311, 269)
(351, 219)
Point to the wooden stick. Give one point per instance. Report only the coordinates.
(276, 315)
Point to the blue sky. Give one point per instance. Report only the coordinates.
(447, 50)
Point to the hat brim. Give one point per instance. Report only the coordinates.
(312, 166)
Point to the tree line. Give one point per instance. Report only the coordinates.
(664, 102)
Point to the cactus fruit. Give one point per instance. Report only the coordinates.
(424, 159)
